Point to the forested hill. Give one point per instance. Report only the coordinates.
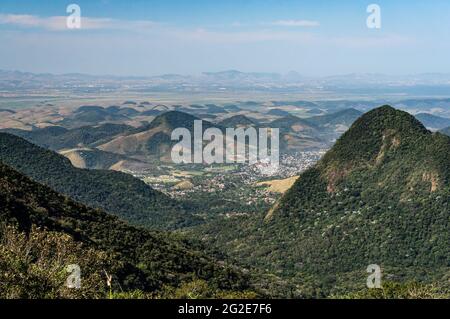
(116, 192)
(379, 196)
(154, 139)
(41, 232)
(57, 137)
(386, 149)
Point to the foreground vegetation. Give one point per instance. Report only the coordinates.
(42, 231)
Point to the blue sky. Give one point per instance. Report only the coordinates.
(137, 37)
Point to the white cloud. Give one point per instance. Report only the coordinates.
(58, 23)
(387, 40)
(296, 23)
(237, 24)
(237, 37)
(163, 33)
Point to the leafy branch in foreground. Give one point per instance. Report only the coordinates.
(34, 265)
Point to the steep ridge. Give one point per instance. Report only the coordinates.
(118, 193)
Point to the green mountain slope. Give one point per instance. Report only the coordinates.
(286, 123)
(381, 196)
(118, 193)
(57, 138)
(297, 134)
(136, 258)
(278, 112)
(93, 158)
(237, 121)
(154, 139)
(345, 117)
(92, 115)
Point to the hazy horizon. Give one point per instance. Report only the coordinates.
(200, 73)
(148, 38)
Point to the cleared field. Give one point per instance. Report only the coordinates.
(279, 185)
(184, 185)
(186, 174)
(221, 168)
(165, 179)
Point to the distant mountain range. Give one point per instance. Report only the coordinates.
(278, 112)
(93, 145)
(231, 79)
(154, 139)
(341, 118)
(237, 121)
(432, 121)
(233, 75)
(313, 132)
(446, 131)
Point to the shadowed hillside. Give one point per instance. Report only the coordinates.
(116, 192)
(61, 230)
